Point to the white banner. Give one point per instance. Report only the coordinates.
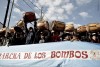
(55, 55)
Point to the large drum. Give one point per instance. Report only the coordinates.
(93, 27)
(21, 24)
(29, 16)
(81, 29)
(58, 26)
(11, 30)
(69, 27)
(42, 25)
(2, 31)
(98, 26)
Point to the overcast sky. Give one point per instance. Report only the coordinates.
(79, 12)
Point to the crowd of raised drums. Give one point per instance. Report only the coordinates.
(44, 32)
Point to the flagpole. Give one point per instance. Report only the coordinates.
(9, 23)
(10, 14)
(5, 19)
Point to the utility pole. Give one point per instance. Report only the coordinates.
(98, 5)
(41, 13)
(6, 13)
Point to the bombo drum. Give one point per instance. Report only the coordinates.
(58, 26)
(29, 17)
(42, 25)
(93, 27)
(98, 26)
(11, 30)
(2, 30)
(69, 27)
(21, 24)
(81, 29)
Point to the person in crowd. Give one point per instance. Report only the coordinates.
(75, 38)
(99, 37)
(9, 38)
(88, 38)
(2, 37)
(23, 38)
(30, 36)
(42, 39)
(61, 35)
(67, 38)
(94, 38)
(47, 35)
(83, 38)
(55, 36)
(1, 42)
(18, 38)
(42, 34)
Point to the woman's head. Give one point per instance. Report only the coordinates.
(30, 29)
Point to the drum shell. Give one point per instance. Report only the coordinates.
(93, 27)
(69, 27)
(42, 25)
(11, 30)
(58, 26)
(2, 30)
(98, 26)
(81, 29)
(29, 16)
(21, 24)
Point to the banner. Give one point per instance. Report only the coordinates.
(51, 55)
(58, 54)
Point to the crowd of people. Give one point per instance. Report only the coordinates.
(44, 36)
